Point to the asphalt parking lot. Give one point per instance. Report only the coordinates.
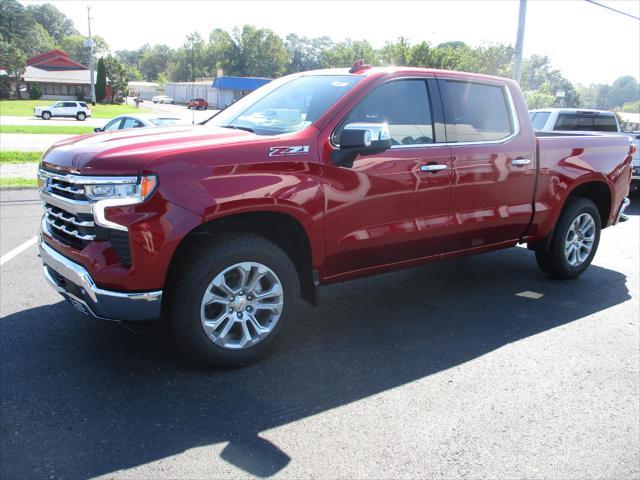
(474, 368)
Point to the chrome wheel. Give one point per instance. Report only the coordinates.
(242, 305)
(580, 239)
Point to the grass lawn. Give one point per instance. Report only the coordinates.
(65, 130)
(20, 157)
(18, 182)
(24, 108)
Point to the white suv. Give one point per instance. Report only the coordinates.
(77, 110)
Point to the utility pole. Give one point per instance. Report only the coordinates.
(517, 67)
(90, 42)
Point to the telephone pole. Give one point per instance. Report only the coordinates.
(90, 42)
(517, 67)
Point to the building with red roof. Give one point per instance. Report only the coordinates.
(59, 77)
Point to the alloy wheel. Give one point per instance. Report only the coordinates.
(580, 239)
(242, 305)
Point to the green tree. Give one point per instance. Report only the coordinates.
(101, 82)
(399, 53)
(56, 23)
(34, 92)
(116, 72)
(257, 52)
(154, 60)
(343, 54)
(537, 71)
(218, 51)
(624, 89)
(631, 107)
(74, 46)
(305, 53)
(14, 63)
(18, 28)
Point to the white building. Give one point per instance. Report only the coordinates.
(220, 92)
(145, 90)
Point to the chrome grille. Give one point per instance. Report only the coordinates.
(68, 212)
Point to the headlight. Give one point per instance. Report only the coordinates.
(137, 192)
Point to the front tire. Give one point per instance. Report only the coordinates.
(575, 240)
(233, 302)
(46, 115)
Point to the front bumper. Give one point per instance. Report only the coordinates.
(75, 284)
(621, 217)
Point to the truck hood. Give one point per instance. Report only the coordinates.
(125, 152)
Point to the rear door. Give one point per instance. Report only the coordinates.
(69, 109)
(493, 163)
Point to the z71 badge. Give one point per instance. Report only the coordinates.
(282, 151)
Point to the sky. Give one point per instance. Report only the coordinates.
(588, 43)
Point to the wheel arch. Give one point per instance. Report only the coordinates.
(283, 229)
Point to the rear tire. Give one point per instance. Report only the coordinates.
(216, 326)
(81, 116)
(575, 240)
(46, 115)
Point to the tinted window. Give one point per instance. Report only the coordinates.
(83, 105)
(574, 121)
(539, 120)
(403, 105)
(475, 112)
(605, 123)
(131, 123)
(69, 104)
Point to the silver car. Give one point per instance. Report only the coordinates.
(124, 122)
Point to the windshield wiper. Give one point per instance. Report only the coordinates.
(236, 127)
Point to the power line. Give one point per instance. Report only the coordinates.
(613, 9)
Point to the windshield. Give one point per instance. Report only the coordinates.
(290, 107)
(163, 121)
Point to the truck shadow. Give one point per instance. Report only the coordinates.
(82, 398)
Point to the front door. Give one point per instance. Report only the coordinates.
(392, 206)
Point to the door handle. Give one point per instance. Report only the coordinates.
(520, 162)
(434, 167)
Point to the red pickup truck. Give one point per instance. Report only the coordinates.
(315, 178)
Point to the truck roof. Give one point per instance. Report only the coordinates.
(369, 71)
(573, 110)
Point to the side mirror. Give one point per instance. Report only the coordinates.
(97, 129)
(361, 139)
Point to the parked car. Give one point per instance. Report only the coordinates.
(77, 110)
(579, 119)
(162, 99)
(198, 103)
(123, 122)
(316, 178)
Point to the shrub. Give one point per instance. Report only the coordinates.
(34, 91)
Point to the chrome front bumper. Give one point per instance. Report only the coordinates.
(621, 217)
(75, 284)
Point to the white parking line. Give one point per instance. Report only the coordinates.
(18, 250)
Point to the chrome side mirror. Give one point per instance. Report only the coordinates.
(361, 139)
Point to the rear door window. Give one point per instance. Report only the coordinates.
(475, 112)
(69, 104)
